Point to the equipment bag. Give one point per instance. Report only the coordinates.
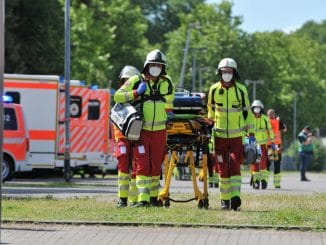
(127, 119)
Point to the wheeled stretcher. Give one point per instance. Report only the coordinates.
(187, 145)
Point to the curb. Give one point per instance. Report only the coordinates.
(165, 224)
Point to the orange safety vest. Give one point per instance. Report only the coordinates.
(275, 122)
(117, 133)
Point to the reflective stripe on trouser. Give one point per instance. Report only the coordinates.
(133, 191)
(235, 186)
(143, 185)
(256, 176)
(155, 185)
(123, 185)
(264, 175)
(225, 188)
(277, 179)
(214, 179)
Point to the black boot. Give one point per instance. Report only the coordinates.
(155, 202)
(263, 184)
(225, 204)
(122, 202)
(235, 203)
(256, 184)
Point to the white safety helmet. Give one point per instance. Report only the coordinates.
(227, 62)
(257, 103)
(128, 71)
(155, 57)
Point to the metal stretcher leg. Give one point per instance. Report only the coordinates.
(163, 196)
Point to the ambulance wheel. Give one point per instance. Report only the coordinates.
(7, 169)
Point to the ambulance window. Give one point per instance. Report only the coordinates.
(93, 110)
(10, 119)
(75, 106)
(15, 96)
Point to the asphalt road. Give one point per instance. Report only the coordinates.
(291, 184)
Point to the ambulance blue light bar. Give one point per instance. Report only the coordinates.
(7, 99)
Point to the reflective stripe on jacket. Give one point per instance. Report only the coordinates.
(263, 130)
(156, 101)
(230, 109)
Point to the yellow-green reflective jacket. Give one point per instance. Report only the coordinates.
(156, 101)
(230, 109)
(263, 130)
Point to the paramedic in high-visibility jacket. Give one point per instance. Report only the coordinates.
(229, 109)
(127, 190)
(264, 133)
(152, 92)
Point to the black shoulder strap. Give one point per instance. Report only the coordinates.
(243, 102)
(170, 86)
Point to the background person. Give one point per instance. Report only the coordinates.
(305, 138)
(278, 127)
(263, 133)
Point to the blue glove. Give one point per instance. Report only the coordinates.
(273, 147)
(252, 139)
(141, 88)
(170, 114)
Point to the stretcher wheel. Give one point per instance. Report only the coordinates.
(200, 204)
(167, 203)
(206, 203)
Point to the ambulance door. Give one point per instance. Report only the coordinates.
(78, 125)
(97, 121)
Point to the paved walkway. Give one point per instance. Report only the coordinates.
(68, 234)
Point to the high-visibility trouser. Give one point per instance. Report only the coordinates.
(235, 185)
(214, 178)
(143, 184)
(154, 186)
(256, 175)
(133, 191)
(277, 180)
(225, 188)
(123, 185)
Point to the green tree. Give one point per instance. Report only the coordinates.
(214, 34)
(163, 17)
(106, 35)
(34, 40)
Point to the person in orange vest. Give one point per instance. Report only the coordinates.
(275, 154)
(153, 93)
(126, 182)
(263, 133)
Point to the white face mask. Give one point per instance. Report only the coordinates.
(155, 71)
(256, 110)
(227, 77)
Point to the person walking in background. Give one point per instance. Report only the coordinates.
(153, 93)
(305, 138)
(126, 182)
(275, 155)
(229, 110)
(263, 134)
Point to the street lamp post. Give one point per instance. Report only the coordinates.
(248, 82)
(294, 125)
(2, 69)
(186, 50)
